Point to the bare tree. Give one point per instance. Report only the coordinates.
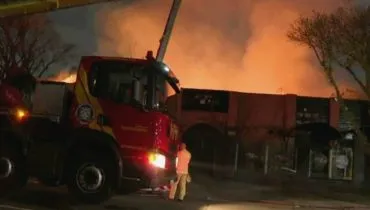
(340, 40)
(352, 43)
(314, 32)
(30, 43)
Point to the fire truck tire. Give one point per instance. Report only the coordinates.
(92, 178)
(13, 172)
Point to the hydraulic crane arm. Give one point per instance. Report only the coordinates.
(165, 39)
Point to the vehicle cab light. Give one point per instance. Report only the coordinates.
(157, 160)
(20, 114)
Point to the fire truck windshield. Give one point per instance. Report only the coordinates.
(161, 93)
(126, 82)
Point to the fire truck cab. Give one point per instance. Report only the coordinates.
(107, 133)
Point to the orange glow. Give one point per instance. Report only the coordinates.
(70, 79)
(20, 114)
(64, 76)
(216, 44)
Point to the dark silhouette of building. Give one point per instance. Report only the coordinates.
(225, 128)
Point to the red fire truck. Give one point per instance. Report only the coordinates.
(108, 132)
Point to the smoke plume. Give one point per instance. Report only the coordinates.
(238, 45)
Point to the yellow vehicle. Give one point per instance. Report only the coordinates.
(24, 7)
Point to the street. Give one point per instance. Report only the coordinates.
(226, 195)
(133, 202)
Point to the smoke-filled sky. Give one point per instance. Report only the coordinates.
(238, 45)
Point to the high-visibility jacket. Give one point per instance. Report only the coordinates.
(183, 160)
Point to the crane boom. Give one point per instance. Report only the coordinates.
(165, 39)
(25, 7)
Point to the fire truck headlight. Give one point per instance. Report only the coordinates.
(157, 160)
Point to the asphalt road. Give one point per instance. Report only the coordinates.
(40, 198)
(35, 197)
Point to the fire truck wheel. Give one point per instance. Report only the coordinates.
(92, 178)
(12, 170)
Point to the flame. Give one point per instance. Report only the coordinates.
(238, 46)
(70, 79)
(64, 76)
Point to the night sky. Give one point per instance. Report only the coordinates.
(77, 26)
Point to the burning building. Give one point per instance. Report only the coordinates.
(255, 131)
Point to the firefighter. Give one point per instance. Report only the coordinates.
(182, 170)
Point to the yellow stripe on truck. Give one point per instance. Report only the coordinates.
(94, 103)
(82, 99)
